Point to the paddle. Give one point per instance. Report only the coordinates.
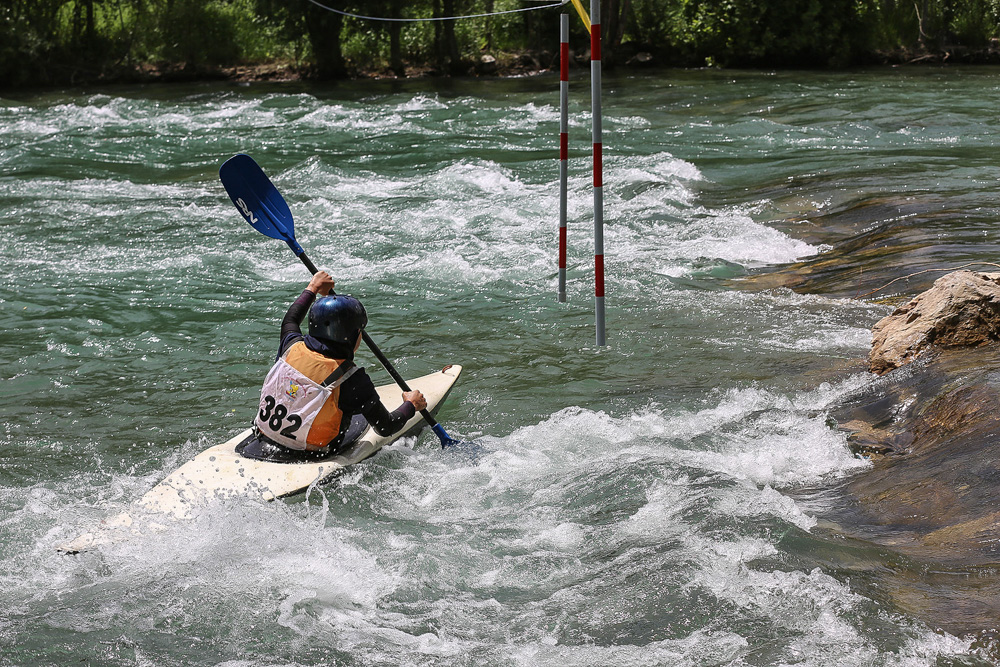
(265, 209)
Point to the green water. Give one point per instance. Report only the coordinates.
(634, 504)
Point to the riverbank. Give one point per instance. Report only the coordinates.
(525, 63)
(499, 65)
(955, 54)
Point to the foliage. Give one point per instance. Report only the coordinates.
(62, 41)
(799, 33)
(973, 23)
(937, 24)
(27, 39)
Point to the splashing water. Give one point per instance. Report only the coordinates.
(630, 505)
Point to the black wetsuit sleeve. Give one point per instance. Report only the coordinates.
(291, 325)
(367, 403)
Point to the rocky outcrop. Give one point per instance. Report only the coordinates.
(962, 309)
(930, 501)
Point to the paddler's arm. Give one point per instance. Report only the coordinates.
(321, 284)
(385, 422)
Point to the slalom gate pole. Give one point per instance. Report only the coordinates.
(563, 146)
(595, 93)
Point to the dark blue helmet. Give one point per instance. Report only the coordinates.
(338, 318)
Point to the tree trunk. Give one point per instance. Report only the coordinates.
(489, 26)
(612, 27)
(90, 22)
(439, 50)
(324, 36)
(924, 23)
(395, 29)
(450, 41)
(395, 49)
(622, 23)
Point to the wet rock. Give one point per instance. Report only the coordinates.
(641, 58)
(931, 498)
(962, 309)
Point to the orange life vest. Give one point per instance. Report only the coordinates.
(299, 400)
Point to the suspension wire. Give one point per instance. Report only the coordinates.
(437, 18)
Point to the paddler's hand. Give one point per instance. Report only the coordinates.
(415, 397)
(321, 283)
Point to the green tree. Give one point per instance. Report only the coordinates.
(797, 33)
(29, 44)
(67, 41)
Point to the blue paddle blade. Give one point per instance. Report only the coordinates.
(446, 440)
(257, 200)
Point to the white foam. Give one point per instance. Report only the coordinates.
(560, 533)
(699, 648)
(784, 320)
(421, 102)
(733, 236)
(358, 121)
(661, 517)
(488, 212)
(528, 117)
(750, 502)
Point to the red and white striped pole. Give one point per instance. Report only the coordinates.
(563, 146)
(595, 94)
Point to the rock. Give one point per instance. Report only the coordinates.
(487, 64)
(962, 309)
(529, 61)
(930, 501)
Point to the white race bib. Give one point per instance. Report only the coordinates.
(289, 404)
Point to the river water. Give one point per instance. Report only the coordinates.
(659, 501)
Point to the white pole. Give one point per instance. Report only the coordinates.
(595, 93)
(563, 146)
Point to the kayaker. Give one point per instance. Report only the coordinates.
(315, 399)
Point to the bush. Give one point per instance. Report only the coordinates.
(797, 33)
(197, 33)
(974, 22)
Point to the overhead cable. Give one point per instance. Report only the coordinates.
(436, 18)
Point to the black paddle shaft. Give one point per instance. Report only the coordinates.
(378, 353)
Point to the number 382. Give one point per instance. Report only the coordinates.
(275, 416)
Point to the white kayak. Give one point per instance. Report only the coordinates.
(221, 472)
